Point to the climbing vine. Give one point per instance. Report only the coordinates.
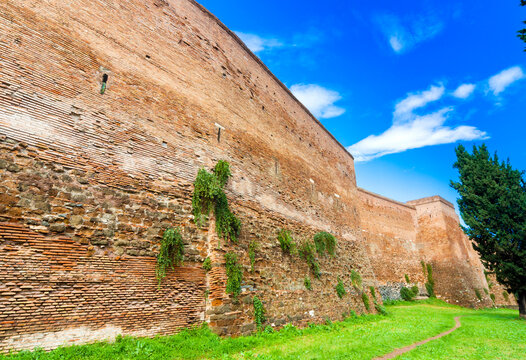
(171, 253)
(234, 275)
(209, 195)
(325, 241)
(259, 313)
(306, 252)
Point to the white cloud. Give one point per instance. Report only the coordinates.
(319, 100)
(464, 90)
(417, 100)
(412, 131)
(498, 83)
(257, 43)
(403, 34)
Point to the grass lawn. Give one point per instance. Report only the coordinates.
(485, 334)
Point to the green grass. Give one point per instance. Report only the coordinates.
(485, 334)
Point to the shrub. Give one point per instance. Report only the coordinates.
(325, 241)
(340, 288)
(381, 309)
(430, 284)
(407, 280)
(171, 253)
(492, 296)
(207, 264)
(506, 295)
(415, 290)
(306, 252)
(269, 329)
(366, 302)
(259, 312)
(286, 241)
(422, 262)
(477, 294)
(373, 293)
(406, 294)
(356, 280)
(307, 283)
(234, 275)
(252, 247)
(430, 290)
(486, 291)
(208, 195)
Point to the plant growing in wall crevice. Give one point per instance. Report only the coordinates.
(259, 313)
(207, 264)
(356, 280)
(286, 242)
(171, 253)
(234, 275)
(209, 195)
(340, 288)
(325, 241)
(307, 283)
(373, 293)
(306, 252)
(366, 301)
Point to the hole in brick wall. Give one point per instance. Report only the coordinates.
(147, 56)
(104, 81)
(219, 129)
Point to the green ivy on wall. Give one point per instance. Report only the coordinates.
(325, 241)
(209, 195)
(171, 253)
(234, 275)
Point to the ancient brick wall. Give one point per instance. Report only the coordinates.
(389, 230)
(401, 235)
(89, 181)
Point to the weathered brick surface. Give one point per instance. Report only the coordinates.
(399, 236)
(89, 182)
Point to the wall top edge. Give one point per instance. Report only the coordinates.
(431, 199)
(267, 70)
(367, 192)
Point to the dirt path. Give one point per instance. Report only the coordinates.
(403, 350)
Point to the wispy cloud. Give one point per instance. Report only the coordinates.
(404, 33)
(498, 83)
(412, 131)
(464, 90)
(319, 100)
(417, 100)
(258, 44)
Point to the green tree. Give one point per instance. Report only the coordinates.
(492, 204)
(522, 33)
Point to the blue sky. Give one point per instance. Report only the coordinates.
(398, 83)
